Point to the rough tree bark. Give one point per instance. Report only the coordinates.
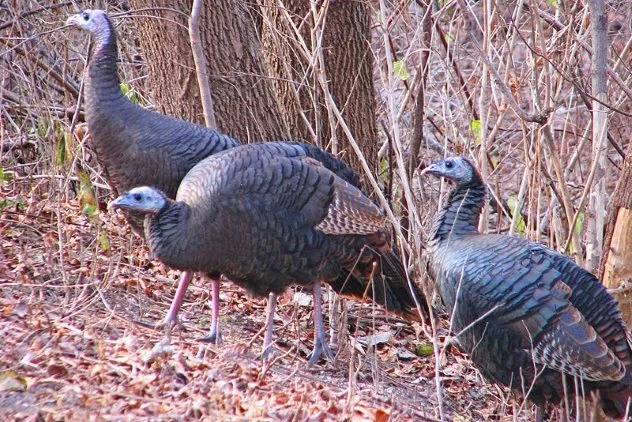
(244, 98)
(348, 66)
(616, 261)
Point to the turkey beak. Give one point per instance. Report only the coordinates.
(120, 202)
(71, 21)
(431, 169)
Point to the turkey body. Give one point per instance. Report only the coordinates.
(257, 218)
(268, 221)
(529, 317)
(135, 146)
(253, 214)
(138, 147)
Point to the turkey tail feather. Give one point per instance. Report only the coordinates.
(387, 285)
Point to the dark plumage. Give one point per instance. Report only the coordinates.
(137, 147)
(268, 221)
(520, 309)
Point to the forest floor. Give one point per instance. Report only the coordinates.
(71, 285)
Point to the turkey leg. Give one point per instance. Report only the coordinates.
(176, 303)
(320, 335)
(172, 315)
(214, 336)
(268, 350)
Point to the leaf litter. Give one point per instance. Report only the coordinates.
(72, 352)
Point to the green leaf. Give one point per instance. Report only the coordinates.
(521, 227)
(87, 198)
(553, 3)
(449, 38)
(476, 130)
(383, 165)
(60, 157)
(400, 69)
(18, 204)
(384, 170)
(64, 154)
(90, 210)
(104, 241)
(129, 93)
(5, 176)
(424, 349)
(579, 224)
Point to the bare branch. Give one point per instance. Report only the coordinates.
(200, 64)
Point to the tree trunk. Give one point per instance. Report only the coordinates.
(616, 261)
(348, 67)
(244, 99)
(346, 58)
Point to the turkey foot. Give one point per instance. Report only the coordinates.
(268, 353)
(213, 337)
(320, 347)
(171, 320)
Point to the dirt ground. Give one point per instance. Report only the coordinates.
(72, 287)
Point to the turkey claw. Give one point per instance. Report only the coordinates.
(269, 353)
(212, 338)
(320, 348)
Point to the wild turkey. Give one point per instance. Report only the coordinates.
(267, 221)
(520, 309)
(136, 147)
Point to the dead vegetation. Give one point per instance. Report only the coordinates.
(509, 88)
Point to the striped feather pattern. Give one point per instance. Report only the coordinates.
(529, 317)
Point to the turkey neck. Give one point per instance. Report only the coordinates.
(168, 235)
(103, 85)
(460, 214)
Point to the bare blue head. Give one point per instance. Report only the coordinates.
(460, 170)
(141, 200)
(95, 21)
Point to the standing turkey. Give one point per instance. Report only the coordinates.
(529, 318)
(137, 147)
(267, 221)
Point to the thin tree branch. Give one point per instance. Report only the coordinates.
(201, 68)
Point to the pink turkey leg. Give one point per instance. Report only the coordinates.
(268, 350)
(214, 336)
(176, 303)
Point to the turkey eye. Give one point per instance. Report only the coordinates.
(85, 16)
(137, 197)
(449, 164)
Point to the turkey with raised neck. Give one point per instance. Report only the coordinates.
(530, 318)
(136, 147)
